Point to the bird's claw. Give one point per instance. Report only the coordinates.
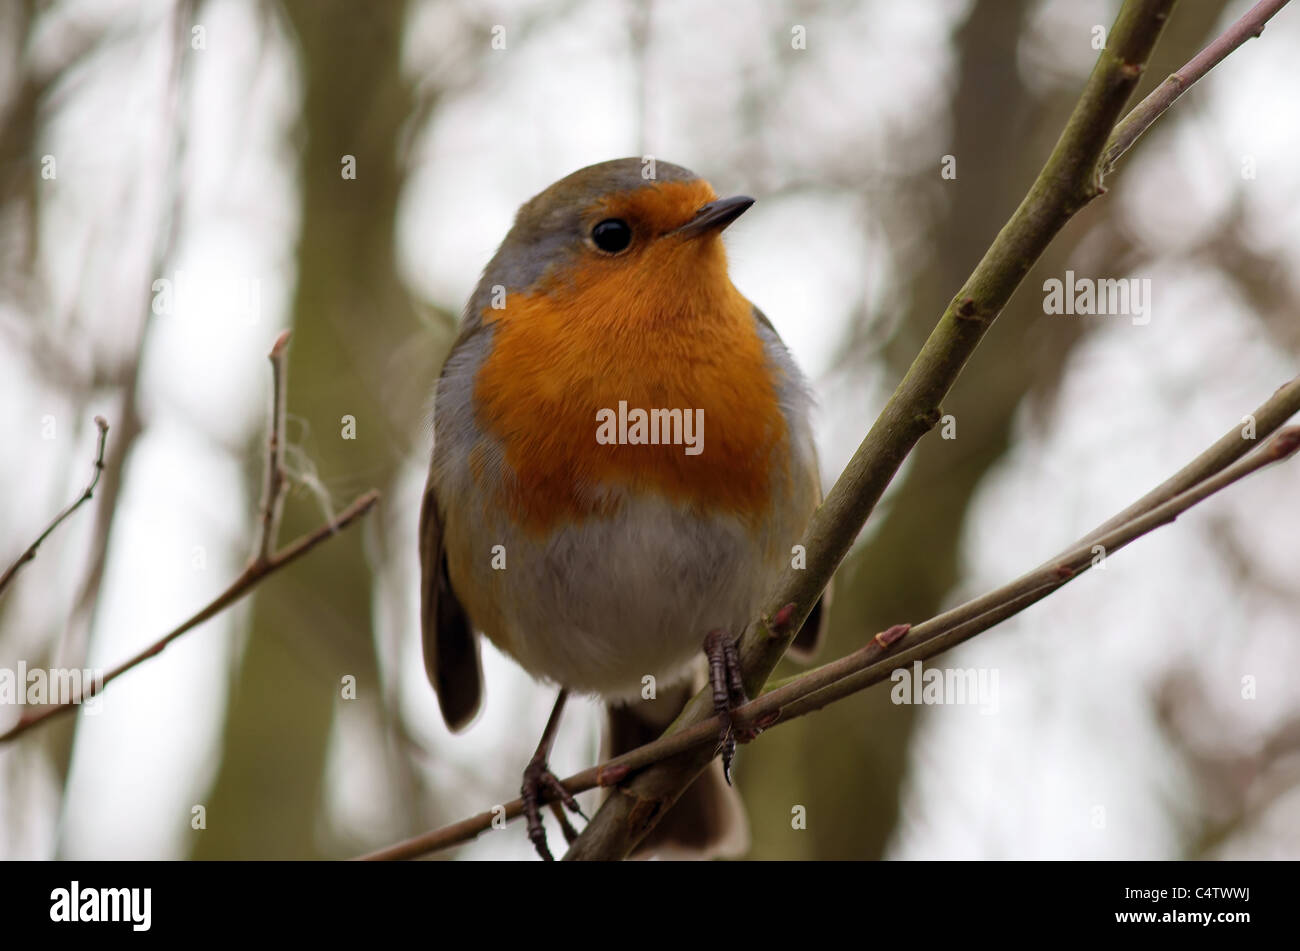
(541, 785)
(728, 687)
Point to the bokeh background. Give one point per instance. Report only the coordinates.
(203, 143)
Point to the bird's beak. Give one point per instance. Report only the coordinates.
(714, 216)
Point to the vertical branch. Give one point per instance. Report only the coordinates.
(273, 497)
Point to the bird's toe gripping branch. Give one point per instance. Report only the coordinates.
(728, 694)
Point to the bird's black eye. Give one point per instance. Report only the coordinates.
(612, 235)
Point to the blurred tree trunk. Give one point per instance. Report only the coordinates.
(351, 314)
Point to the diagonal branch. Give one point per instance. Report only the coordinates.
(1228, 460)
(867, 666)
(255, 573)
(264, 563)
(1166, 94)
(1267, 418)
(12, 571)
(1070, 179)
(1067, 182)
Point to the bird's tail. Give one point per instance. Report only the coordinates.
(708, 820)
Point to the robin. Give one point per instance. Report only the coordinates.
(622, 463)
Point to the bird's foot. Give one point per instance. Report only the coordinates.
(541, 785)
(728, 694)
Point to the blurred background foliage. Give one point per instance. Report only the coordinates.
(210, 136)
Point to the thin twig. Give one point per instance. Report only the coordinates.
(265, 562)
(1267, 418)
(803, 694)
(248, 578)
(12, 571)
(1166, 94)
(273, 497)
(925, 641)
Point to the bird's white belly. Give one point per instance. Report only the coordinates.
(600, 605)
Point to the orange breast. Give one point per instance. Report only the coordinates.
(665, 330)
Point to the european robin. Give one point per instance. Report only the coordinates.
(622, 462)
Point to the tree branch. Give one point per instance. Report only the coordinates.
(1166, 94)
(265, 562)
(12, 571)
(273, 497)
(866, 667)
(1211, 471)
(1067, 182)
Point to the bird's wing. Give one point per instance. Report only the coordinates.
(810, 635)
(451, 649)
